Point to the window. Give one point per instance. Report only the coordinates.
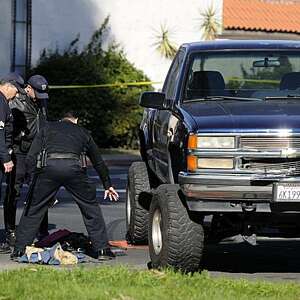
(173, 76)
(255, 74)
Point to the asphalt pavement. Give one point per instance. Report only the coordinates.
(271, 259)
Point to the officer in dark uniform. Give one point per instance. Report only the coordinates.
(60, 146)
(29, 115)
(8, 91)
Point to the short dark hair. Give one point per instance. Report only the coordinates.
(70, 114)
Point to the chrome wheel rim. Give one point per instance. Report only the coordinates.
(156, 232)
(128, 207)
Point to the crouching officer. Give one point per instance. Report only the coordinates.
(60, 146)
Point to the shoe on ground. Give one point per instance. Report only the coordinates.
(106, 254)
(16, 254)
(11, 237)
(5, 248)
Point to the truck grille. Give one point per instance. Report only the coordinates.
(280, 166)
(269, 143)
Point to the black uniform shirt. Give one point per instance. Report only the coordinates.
(67, 137)
(6, 129)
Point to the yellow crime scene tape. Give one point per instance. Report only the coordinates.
(105, 85)
(144, 83)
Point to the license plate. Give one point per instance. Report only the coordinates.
(286, 192)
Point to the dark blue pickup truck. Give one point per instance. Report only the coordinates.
(220, 150)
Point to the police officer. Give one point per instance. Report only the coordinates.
(8, 91)
(29, 116)
(61, 145)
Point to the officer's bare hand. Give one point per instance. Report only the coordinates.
(112, 194)
(8, 166)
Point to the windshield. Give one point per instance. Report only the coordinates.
(247, 74)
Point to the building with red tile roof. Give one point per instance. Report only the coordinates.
(261, 19)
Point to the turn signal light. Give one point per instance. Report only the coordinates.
(192, 141)
(192, 163)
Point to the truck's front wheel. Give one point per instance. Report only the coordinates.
(174, 239)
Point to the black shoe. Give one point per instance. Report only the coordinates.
(11, 237)
(16, 254)
(5, 248)
(106, 254)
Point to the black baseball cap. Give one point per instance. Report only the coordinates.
(70, 114)
(16, 80)
(40, 86)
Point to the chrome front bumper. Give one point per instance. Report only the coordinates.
(230, 187)
(236, 193)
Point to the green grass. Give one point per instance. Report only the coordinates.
(124, 284)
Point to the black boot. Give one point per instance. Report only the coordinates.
(4, 248)
(105, 254)
(16, 254)
(11, 237)
(9, 242)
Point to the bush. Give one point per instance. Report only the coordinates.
(112, 114)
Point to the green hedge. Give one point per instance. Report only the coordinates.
(112, 114)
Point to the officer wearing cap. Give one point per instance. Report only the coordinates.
(37, 88)
(59, 147)
(29, 114)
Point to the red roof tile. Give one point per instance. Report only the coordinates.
(262, 15)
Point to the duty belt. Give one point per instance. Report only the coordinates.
(63, 156)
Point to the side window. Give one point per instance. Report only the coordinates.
(173, 75)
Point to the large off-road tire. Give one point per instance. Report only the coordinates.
(137, 217)
(174, 239)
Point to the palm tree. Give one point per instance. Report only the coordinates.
(210, 23)
(163, 44)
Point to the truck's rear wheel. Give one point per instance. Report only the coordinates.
(136, 216)
(174, 239)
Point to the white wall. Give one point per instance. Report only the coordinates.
(5, 36)
(55, 23)
(134, 24)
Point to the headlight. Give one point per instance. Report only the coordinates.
(194, 163)
(211, 142)
(215, 163)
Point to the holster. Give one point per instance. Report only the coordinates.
(24, 146)
(83, 160)
(42, 159)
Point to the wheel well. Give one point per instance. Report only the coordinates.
(175, 160)
(194, 216)
(142, 145)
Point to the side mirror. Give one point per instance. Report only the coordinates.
(153, 100)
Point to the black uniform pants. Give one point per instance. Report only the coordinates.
(67, 173)
(15, 179)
